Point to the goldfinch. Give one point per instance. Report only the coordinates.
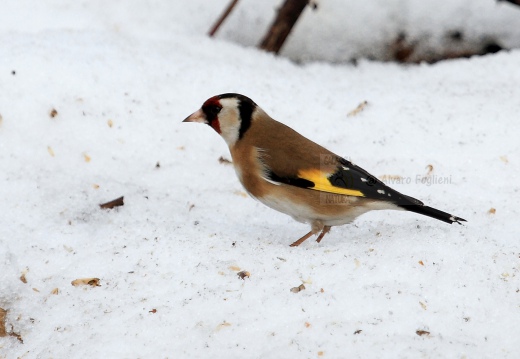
(293, 175)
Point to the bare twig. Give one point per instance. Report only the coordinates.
(93, 282)
(222, 17)
(224, 161)
(3, 331)
(114, 203)
(3, 314)
(358, 109)
(282, 25)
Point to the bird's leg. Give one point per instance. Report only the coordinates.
(301, 240)
(316, 227)
(326, 230)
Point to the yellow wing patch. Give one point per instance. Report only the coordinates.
(322, 183)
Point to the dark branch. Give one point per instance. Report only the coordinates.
(114, 203)
(515, 2)
(222, 17)
(282, 25)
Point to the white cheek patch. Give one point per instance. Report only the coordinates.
(229, 120)
(229, 133)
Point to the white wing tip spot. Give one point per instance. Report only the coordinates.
(271, 181)
(381, 191)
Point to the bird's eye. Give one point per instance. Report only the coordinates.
(212, 111)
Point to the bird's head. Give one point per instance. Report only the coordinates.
(229, 114)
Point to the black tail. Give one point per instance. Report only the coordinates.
(432, 212)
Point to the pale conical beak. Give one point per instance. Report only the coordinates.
(197, 116)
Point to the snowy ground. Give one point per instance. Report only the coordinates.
(121, 78)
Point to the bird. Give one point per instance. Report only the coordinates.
(292, 174)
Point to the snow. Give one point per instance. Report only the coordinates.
(168, 259)
(342, 30)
